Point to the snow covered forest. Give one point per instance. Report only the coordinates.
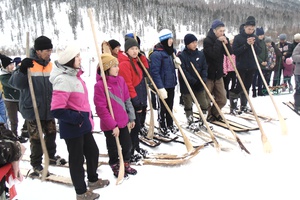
(56, 18)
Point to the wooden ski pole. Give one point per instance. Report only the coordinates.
(122, 167)
(219, 110)
(151, 125)
(281, 119)
(186, 140)
(217, 146)
(266, 144)
(37, 115)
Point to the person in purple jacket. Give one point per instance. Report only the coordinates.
(70, 105)
(123, 113)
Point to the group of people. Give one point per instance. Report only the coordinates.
(61, 93)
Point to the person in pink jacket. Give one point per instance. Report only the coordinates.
(229, 73)
(123, 113)
(288, 72)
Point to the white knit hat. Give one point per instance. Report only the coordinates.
(297, 36)
(165, 34)
(68, 53)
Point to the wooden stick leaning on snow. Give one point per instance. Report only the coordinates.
(264, 139)
(122, 168)
(186, 140)
(37, 115)
(281, 119)
(217, 146)
(151, 123)
(219, 110)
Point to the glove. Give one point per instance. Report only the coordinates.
(177, 62)
(163, 93)
(25, 64)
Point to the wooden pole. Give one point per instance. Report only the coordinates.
(37, 115)
(150, 134)
(122, 167)
(281, 119)
(264, 139)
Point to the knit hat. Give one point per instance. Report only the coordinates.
(216, 23)
(108, 61)
(250, 21)
(189, 38)
(297, 36)
(260, 31)
(289, 61)
(68, 53)
(42, 43)
(130, 42)
(268, 39)
(131, 35)
(113, 44)
(282, 36)
(165, 34)
(17, 60)
(5, 61)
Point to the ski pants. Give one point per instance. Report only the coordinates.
(164, 118)
(80, 148)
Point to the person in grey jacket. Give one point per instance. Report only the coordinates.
(296, 59)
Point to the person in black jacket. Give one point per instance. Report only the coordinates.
(214, 53)
(245, 63)
(192, 54)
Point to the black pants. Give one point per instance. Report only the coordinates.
(143, 116)
(125, 141)
(164, 118)
(134, 133)
(230, 77)
(80, 148)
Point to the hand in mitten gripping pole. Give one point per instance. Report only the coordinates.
(25, 64)
(163, 93)
(177, 61)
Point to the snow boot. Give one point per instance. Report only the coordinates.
(88, 195)
(144, 131)
(163, 131)
(129, 170)
(57, 160)
(115, 168)
(246, 109)
(100, 183)
(173, 129)
(142, 152)
(38, 172)
(136, 158)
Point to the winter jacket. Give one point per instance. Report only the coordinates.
(134, 79)
(288, 70)
(296, 59)
(10, 94)
(214, 53)
(40, 73)
(282, 47)
(120, 101)
(243, 51)
(198, 60)
(263, 56)
(271, 59)
(70, 103)
(227, 66)
(291, 48)
(162, 68)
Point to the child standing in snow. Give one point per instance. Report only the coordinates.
(288, 72)
(123, 113)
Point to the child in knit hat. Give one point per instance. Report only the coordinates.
(123, 113)
(288, 72)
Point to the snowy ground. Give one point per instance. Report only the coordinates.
(230, 175)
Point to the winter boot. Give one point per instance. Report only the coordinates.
(57, 160)
(38, 171)
(246, 109)
(136, 158)
(129, 170)
(88, 195)
(144, 131)
(233, 103)
(100, 183)
(142, 152)
(173, 129)
(115, 168)
(163, 131)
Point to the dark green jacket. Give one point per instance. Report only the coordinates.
(263, 56)
(10, 94)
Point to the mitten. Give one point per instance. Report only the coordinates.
(163, 93)
(177, 61)
(25, 64)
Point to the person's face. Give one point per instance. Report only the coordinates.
(170, 42)
(77, 62)
(113, 71)
(193, 45)
(133, 51)
(268, 44)
(220, 31)
(249, 29)
(116, 50)
(261, 37)
(10, 67)
(44, 54)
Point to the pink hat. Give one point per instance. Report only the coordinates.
(289, 61)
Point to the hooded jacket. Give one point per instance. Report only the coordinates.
(70, 104)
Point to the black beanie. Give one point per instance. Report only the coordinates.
(189, 38)
(250, 21)
(5, 61)
(130, 42)
(42, 43)
(113, 43)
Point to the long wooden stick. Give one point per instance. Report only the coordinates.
(150, 134)
(217, 146)
(219, 110)
(122, 167)
(186, 140)
(264, 139)
(37, 115)
(281, 119)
